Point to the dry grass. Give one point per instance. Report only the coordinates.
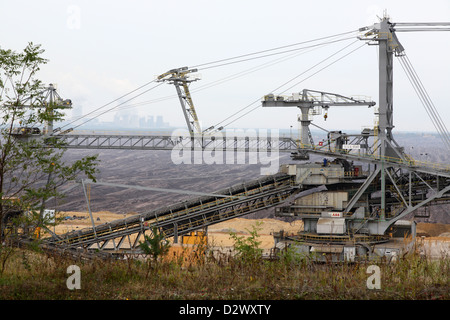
(184, 275)
(188, 273)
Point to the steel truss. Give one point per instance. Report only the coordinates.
(405, 184)
(182, 217)
(169, 142)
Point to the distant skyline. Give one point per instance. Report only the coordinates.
(100, 50)
(122, 119)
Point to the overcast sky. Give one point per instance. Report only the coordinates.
(101, 50)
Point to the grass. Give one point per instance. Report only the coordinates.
(36, 275)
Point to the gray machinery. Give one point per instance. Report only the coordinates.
(349, 211)
(180, 79)
(311, 103)
(348, 219)
(48, 98)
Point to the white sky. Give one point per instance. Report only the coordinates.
(100, 50)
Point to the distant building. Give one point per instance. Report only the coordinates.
(148, 122)
(126, 120)
(159, 122)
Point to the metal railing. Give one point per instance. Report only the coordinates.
(323, 239)
(409, 161)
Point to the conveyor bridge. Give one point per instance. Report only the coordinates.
(183, 217)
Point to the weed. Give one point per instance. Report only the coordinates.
(247, 248)
(34, 275)
(155, 247)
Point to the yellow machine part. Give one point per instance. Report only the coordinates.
(195, 238)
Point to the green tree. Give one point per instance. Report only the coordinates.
(155, 246)
(32, 166)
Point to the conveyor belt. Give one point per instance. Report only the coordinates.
(183, 217)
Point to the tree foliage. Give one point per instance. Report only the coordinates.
(156, 245)
(248, 247)
(32, 166)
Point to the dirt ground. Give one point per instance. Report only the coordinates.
(81, 220)
(433, 229)
(219, 234)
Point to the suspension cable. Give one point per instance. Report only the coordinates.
(90, 119)
(105, 105)
(228, 78)
(213, 64)
(317, 64)
(272, 54)
(340, 50)
(425, 99)
(431, 104)
(241, 73)
(269, 50)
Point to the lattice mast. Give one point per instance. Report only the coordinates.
(180, 77)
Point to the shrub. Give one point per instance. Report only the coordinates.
(247, 248)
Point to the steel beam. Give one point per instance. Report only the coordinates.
(248, 144)
(186, 216)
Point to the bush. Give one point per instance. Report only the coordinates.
(155, 247)
(247, 248)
